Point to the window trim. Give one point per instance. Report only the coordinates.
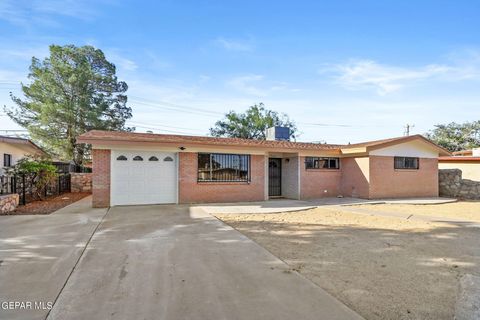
(10, 160)
(322, 158)
(249, 167)
(404, 161)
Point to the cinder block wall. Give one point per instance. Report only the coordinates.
(387, 182)
(314, 182)
(191, 191)
(101, 178)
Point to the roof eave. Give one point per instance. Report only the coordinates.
(105, 141)
(23, 142)
(441, 151)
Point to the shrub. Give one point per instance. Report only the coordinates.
(39, 171)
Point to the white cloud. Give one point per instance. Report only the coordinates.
(24, 52)
(204, 78)
(156, 61)
(44, 12)
(234, 45)
(467, 64)
(256, 85)
(70, 8)
(120, 61)
(248, 84)
(12, 76)
(385, 79)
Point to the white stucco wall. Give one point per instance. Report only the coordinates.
(408, 149)
(16, 152)
(470, 170)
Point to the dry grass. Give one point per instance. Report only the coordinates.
(381, 267)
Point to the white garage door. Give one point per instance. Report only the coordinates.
(143, 177)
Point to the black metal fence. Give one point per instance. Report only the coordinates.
(26, 189)
(65, 167)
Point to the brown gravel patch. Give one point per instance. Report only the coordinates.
(49, 205)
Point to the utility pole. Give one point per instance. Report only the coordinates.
(407, 129)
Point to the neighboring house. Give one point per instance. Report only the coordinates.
(141, 168)
(13, 149)
(468, 161)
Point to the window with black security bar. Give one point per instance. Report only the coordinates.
(223, 167)
(406, 163)
(322, 163)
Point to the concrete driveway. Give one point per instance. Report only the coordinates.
(165, 262)
(37, 255)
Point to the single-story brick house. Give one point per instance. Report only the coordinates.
(142, 168)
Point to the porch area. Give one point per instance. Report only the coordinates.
(283, 178)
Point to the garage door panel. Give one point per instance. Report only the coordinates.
(143, 182)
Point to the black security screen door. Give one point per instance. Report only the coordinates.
(274, 177)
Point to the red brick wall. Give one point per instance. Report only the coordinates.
(355, 176)
(101, 178)
(387, 182)
(314, 182)
(191, 191)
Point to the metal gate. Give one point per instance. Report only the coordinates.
(275, 177)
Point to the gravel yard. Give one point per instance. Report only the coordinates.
(381, 267)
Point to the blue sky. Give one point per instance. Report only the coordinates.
(345, 71)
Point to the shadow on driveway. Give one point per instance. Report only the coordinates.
(177, 262)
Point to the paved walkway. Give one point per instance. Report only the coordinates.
(288, 205)
(149, 262)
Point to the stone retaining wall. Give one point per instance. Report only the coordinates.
(81, 182)
(452, 185)
(8, 203)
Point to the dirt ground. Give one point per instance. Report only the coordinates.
(468, 210)
(49, 205)
(381, 267)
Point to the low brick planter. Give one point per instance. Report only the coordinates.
(81, 182)
(8, 203)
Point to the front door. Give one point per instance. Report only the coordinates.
(274, 177)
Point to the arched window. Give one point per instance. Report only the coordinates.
(168, 159)
(122, 158)
(137, 158)
(153, 158)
